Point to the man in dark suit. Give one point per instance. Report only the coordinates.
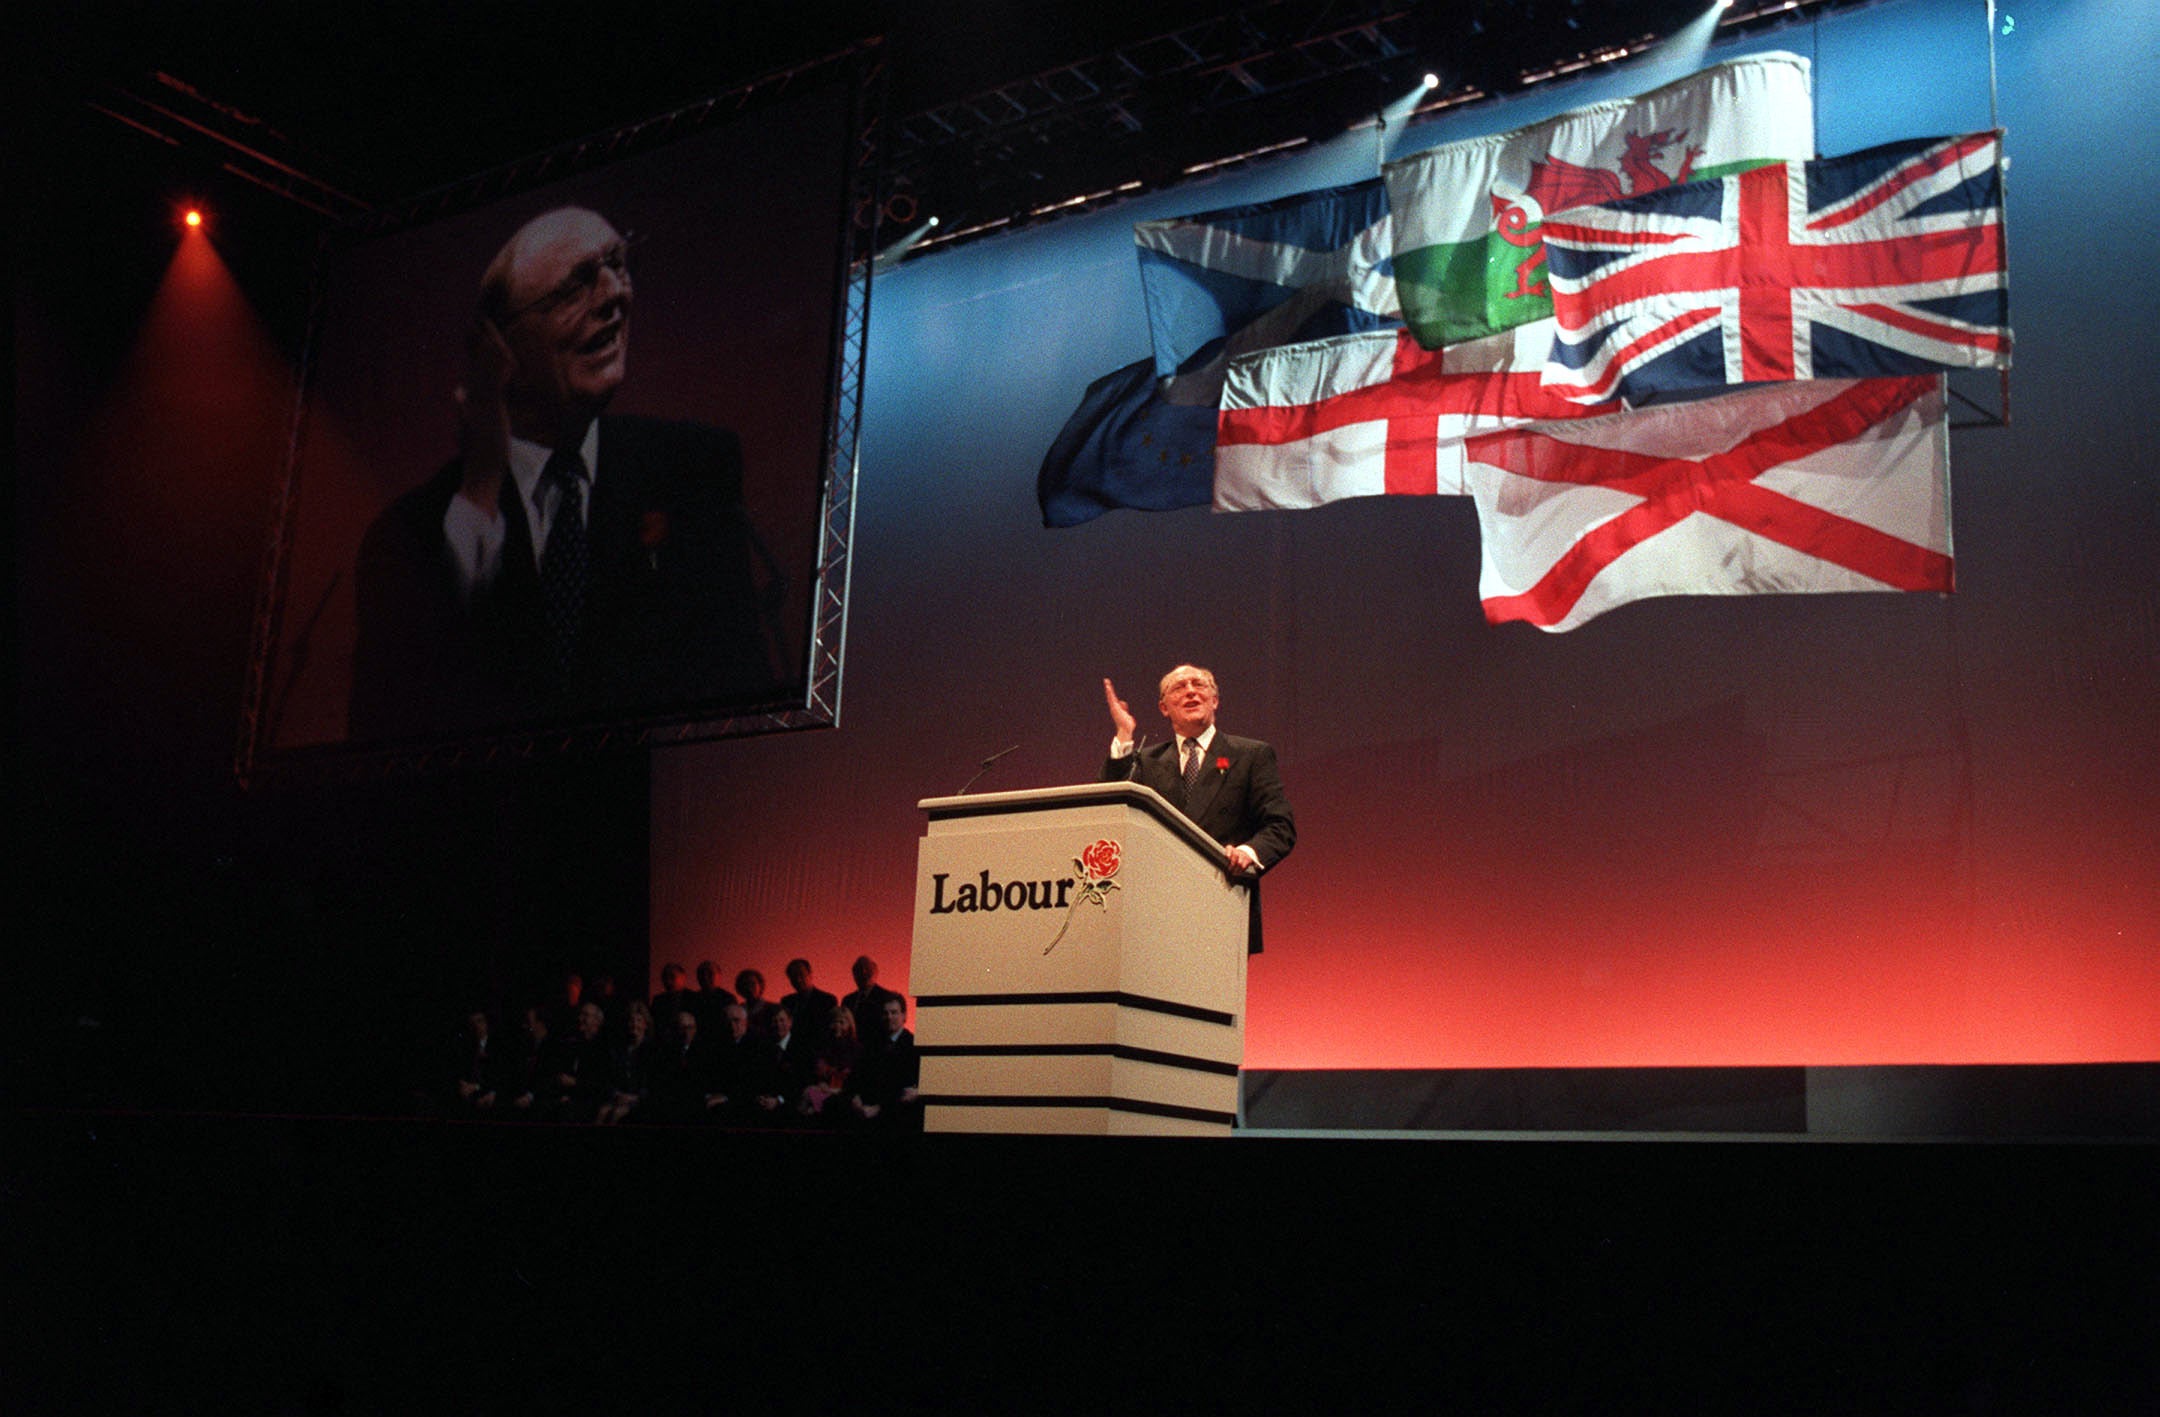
(565, 564)
(867, 1003)
(1230, 787)
(812, 1008)
(886, 1083)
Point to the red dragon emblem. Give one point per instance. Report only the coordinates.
(1557, 184)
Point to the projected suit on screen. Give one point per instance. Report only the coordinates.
(566, 563)
(1229, 786)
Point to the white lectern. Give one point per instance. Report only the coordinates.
(1079, 966)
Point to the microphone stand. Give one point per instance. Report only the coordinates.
(1132, 760)
(987, 764)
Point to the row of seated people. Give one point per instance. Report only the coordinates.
(809, 1060)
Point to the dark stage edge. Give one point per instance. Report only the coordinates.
(183, 1263)
(2022, 1101)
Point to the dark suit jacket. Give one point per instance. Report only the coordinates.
(1238, 799)
(812, 1014)
(673, 612)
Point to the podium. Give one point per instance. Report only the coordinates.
(1079, 966)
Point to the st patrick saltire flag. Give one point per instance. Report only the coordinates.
(1820, 485)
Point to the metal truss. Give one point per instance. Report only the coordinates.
(617, 143)
(177, 114)
(1255, 81)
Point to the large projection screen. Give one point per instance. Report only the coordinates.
(720, 329)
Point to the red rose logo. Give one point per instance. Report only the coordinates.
(652, 530)
(1096, 864)
(1100, 862)
(1222, 765)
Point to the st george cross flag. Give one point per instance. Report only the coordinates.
(1889, 261)
(1300, 267)
(1468, 259)
(1366, 414)
(1826, 485)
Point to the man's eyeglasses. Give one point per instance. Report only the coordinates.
(579, 285)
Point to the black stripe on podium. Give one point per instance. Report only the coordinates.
(1114, 1104)
(1104, 996)
(1077, 1050)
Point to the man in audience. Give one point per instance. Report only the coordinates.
(675, 995)
(629, 1067)
(781, 1067)
(887, 1080)
(711, 1000)
(534, 1090)
(751, 985)
(584, 1076)
(728, 1074)
(476, 1069)
(867, 1003)
(681, 1070)
(811, 1007)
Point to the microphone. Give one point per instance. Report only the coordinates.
(986, 765)
(1132, 760)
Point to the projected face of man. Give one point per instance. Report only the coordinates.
(560, 298)
(1188, 699)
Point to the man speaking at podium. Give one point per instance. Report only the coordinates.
(1228, 786)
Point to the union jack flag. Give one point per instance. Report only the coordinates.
(1884, 262)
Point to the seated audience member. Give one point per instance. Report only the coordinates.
(674, 996)
(629, 1067)
(533, 1089)
(476, 1071)
(824, 1098)
(586, 1067)
(887, 1079)
(729, 1071)
(867, 1003)
(811, 1007)
(842, 1045)
(711, 1001)
(780, 1069)
(751, 985)
(680, 1071)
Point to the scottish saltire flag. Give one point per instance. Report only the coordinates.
(1298, 268)
(1826, 485)
(1367, 414)
(1889, 261)
(1468, 260)
(1128, 444)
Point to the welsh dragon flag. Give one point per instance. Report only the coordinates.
(1468, 257)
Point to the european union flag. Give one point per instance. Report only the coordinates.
(1127, 445)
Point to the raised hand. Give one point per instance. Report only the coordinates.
(1120, 714)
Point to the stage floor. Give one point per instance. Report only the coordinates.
(237, 1264)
